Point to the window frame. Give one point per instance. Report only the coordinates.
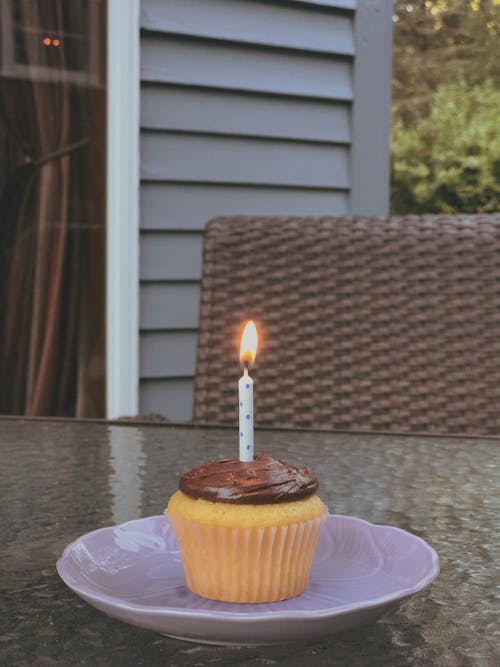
(122, 210)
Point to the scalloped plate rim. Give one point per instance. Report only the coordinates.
(244, 617)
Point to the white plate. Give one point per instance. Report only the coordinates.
(360, 572)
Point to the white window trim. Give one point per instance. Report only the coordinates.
(122, 246)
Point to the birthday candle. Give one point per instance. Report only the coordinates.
(248, 350)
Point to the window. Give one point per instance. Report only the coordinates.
(53, 202)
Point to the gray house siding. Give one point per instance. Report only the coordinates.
(246, 107)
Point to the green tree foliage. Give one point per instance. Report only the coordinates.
(450, 160)
(446, 106)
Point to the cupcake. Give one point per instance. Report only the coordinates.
(247, 530)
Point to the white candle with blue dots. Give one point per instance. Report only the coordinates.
(248, 350)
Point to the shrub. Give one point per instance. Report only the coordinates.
(450, 160)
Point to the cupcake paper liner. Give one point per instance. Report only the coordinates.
(247, 564)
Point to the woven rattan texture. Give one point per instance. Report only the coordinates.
(389, 324)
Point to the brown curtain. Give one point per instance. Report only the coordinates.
(51, 233)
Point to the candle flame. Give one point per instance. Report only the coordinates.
(249, 341)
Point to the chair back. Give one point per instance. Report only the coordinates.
(377, 324)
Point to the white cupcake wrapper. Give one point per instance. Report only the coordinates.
(247, 564)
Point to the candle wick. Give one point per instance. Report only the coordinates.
(245, 367)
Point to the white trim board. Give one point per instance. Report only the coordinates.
(371, 110)
(122, 291)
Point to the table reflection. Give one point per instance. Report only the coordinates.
(127, 461)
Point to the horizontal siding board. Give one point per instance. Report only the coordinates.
(189, 207)
(172, 398)
(170, 256)
(188, 62)
(165, 354)
(169, 306)
(253, 22)
(201, 110)
(334, 4)
(217, 159)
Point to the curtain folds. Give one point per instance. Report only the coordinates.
(51, 233)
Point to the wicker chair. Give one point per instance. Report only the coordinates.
(377, 324)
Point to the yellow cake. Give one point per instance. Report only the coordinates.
(247, 531)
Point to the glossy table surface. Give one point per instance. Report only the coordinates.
(60, 479)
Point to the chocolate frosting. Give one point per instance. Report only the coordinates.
(263, 480)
